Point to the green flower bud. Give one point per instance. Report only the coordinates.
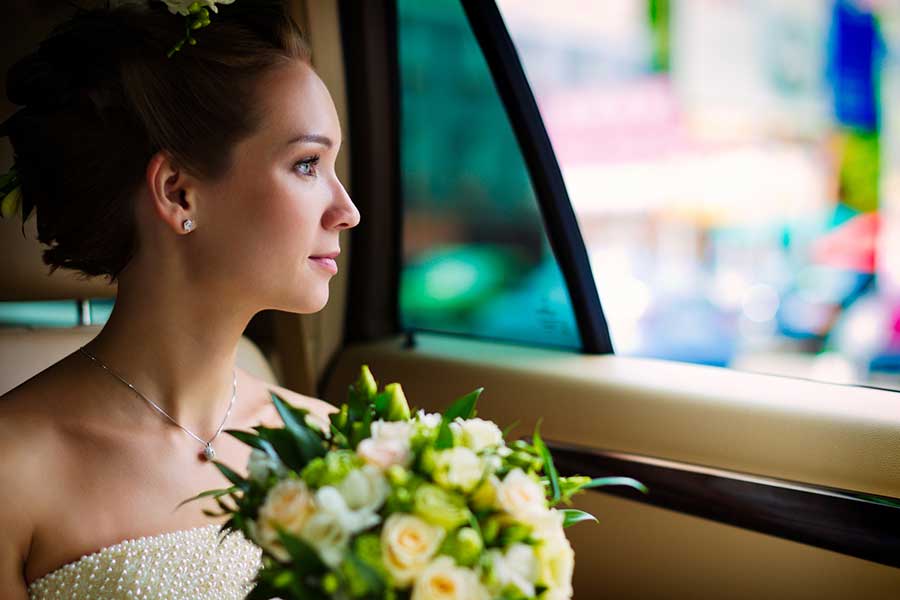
(330, 583)
(428, 460)
(368, 548)
(468, 546)
(313, 472)
(439, 507)
(397, 475)
(365, 384)
(514, 533)
(398, 407)
(337, 464)
(194, 8)
(490, 530)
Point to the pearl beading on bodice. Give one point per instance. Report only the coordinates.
(189, 564)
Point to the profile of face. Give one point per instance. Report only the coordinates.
(268, 229)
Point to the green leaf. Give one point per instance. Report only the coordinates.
(604, 481)
(463, 407)
(509, 428)
(309, 441)
(215, 493)
(573, 515)
(549, 468)
(233, 477)
(305, 559)
(285, 446)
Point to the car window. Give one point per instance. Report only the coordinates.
(55, 313)
(734, 168)
(476, 259)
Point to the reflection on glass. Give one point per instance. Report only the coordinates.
(476, 260)
(735, 170)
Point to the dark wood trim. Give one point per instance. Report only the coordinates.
(857, 524)
(369, 38)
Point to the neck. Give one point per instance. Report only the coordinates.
(177, 347)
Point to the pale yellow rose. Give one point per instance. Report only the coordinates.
(384, 453)
(289, 504)
(458, 468)
(556, 565)
(479, 434)
(516, 568)
(443, 580)
(391, 430)
(521, 496)
(365, 488)
(408, 543)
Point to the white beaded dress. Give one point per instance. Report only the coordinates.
(189, 564)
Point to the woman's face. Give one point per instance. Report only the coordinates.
(280, 207)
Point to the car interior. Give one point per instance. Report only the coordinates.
(760, 486)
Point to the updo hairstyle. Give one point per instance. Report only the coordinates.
(100, 98)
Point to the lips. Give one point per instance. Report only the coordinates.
(326, 261)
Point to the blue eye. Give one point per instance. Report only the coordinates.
(307, 166)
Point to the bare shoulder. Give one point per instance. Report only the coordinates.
(319, 409)
(26, 438)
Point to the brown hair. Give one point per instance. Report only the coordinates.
(100, 98)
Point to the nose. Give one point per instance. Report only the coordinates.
(342, 214)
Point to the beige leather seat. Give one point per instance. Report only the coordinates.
(25, 350)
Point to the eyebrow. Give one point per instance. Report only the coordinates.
(311, 138)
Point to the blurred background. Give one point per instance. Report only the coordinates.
(734, 166)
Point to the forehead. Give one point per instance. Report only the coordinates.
(293, 100)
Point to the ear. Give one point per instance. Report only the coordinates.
(173, 191)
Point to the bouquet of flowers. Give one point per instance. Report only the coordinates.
(400, 505)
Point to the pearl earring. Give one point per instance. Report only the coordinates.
(188, 225)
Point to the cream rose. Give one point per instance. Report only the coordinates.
(458, 468)
(365, 488)
(408, 543)
(479, 434)
(521, 496)
(391, 430)
(384, 453)
(443, 580)
(517, 568)
(556, 564)
(428, 420)
(289, 504)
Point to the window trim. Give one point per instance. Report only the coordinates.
(550, 190)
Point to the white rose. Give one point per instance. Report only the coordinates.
(479, 434)
(521, 496)
(516, 568)
(384, 453)
(443, 580)
(556, 564)
(329, 529)
(408, 543)
(364, 489)
(289, 504)
(458, 468)
(182, 6)
(330, 500)
(391, 430)
(429, 420)
(260, 464)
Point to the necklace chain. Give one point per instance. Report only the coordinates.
(208, 451)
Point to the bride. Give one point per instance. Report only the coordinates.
(204, 184)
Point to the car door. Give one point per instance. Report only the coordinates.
(469, 270)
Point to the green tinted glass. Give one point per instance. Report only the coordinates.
(476, 259)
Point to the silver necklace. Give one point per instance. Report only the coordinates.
(209, 452)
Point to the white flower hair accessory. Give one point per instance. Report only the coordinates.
(196, 13)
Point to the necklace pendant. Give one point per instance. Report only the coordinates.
(208, 452)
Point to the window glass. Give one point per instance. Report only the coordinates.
(52, 313)
(476, 260)
(735, 171)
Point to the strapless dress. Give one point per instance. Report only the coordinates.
(190, 564)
